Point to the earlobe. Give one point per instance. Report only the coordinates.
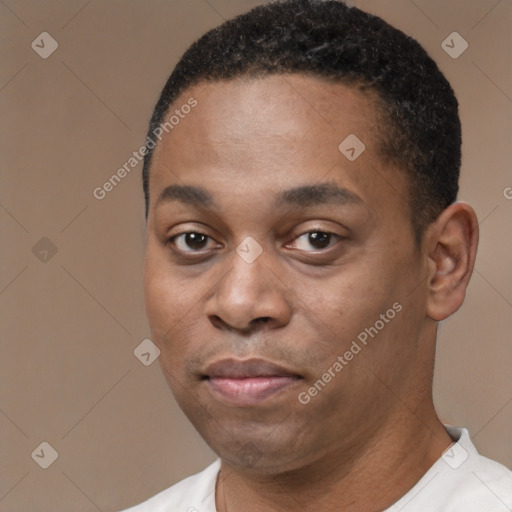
(452, 242)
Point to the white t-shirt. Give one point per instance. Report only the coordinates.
(461, 480)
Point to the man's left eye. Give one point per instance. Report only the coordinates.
(317, 240)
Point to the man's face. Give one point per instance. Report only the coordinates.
(246, 327)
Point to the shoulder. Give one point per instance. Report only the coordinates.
(193, 494)
(462, 480)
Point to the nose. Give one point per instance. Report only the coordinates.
(249, 296)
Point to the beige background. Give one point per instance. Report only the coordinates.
(69, 325)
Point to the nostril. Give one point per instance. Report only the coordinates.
(216, 320)
(219, 323)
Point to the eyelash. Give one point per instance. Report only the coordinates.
(171, 240)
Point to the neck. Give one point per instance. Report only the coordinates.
(367, 478)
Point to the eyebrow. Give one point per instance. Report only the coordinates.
(188, 194)
(303, 196)
(312, 195)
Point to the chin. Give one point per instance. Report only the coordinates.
(258, 448)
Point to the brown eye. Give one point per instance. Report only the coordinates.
(319, 240)
(315, 240)
(191, 241)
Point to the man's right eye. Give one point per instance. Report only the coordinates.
(191, 241)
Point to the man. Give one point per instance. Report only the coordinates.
(303, 242)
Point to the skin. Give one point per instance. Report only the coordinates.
(372, 432)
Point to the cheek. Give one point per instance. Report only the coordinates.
(165, 297)
(355, 296)
(356, 304)
(165, 311)
(157, 296)
(375, 308)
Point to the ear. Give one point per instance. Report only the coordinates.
(451, 242)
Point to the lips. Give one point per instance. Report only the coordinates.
(247, 382)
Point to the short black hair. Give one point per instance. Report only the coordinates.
(421, 130)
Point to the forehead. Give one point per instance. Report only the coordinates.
(270, 133)
(274, 107)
